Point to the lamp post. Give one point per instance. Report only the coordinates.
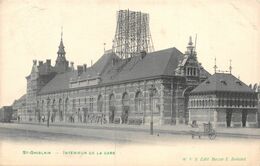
(48, 112)
(151, 92)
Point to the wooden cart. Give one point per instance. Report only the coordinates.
(207, 131)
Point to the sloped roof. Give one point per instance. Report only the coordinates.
(158, 63)
(204, 73)
(20, 100)
(103, 62)
(222, 82)
(59, 82)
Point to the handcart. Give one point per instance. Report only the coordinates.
(207, 130)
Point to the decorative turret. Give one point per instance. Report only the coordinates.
(191, 49)
(61, 62)
(61, 52)
(189, 65)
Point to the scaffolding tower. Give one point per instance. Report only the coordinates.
(132, 34)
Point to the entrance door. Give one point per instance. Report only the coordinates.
(111, 114)
(244, 117)
(228, 117)
(125, 114)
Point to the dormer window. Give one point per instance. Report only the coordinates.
(238, 82)
(223, 82)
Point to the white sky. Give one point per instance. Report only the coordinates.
(31, 30)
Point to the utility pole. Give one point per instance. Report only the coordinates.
(48, 112)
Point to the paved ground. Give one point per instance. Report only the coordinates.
(20, 135)
(132, 145)
(112, 133)
(169, 129)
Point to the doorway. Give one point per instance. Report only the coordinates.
(125, 114)
(111, 114)
(228, 117)
(244, 117)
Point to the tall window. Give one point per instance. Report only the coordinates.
(138, 101)
(42, 105)
(100, 104)
(53, 105)
(112, 100)
(60, 105)
(37, 106)
(91, 104)
(73, 104)
(155, 102)
(125, 99)
(60, 110)
(66, 104)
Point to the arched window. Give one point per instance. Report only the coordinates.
(91, 100)
(60, 110)
(138, 101)
(60, 105)
(48, 104)
(125, 99)
(155, 102)
(125, 108)
(53, 104)
(100, 104)
(112, 100)
(66, 105)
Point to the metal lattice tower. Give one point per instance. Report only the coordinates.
(132, 34)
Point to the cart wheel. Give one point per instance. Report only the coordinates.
(212, 135)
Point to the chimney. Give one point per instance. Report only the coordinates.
(80, 69)
(34, 62)
(72, 66)
(40, 63)
(85, 67)
(143, 54)
(48, 61)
